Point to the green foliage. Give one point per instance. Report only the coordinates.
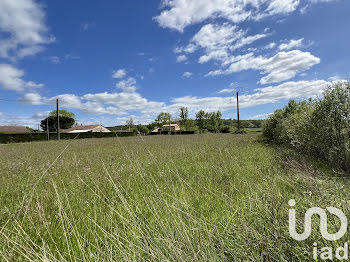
(183, 118)
(320, 127)
(62, 113)
(211, 121)
(225, 129)
(65, 123)
(144, 130)
(163, 118)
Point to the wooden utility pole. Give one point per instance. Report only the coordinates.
(58, 121)
(169, 125)
(239, 124)
(47, 128)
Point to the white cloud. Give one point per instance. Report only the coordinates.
(291, 44)
(260, 116)
(226, 90)
(281, 67)
(181, 58)
(187, 74)
(128, 85)
(270, 45)
(267, 95)
(11, 79)
(218, 42)
(248, 40)
(120, 73)
(179, 14)
(23, 25)
(41, 115)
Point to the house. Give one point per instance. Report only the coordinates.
(14, 129)
(173, 127)
(89, 128)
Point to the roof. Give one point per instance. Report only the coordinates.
(79, 131)
(176, 125)
(14, 129)
(88, 127)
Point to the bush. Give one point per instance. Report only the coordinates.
(320, 127)
(225, 129)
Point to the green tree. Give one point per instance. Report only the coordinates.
(144, 130)
(201, 119)
(183, 117)
(65, 123)
(163, 119)
(62, 113)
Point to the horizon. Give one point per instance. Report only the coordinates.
(109, 62)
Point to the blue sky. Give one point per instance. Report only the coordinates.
(120, 59)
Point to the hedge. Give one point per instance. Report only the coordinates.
(21, 138)
(173, 133)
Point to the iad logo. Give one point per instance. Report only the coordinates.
(323, 223)
(327, 252)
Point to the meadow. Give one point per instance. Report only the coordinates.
(210, 197)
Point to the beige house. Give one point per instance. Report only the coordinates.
(173, 127)
(89, 128)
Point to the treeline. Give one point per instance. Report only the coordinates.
(202, 123)
(318, 127)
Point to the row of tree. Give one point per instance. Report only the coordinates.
(203, 122)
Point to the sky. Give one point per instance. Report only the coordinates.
(111, 60)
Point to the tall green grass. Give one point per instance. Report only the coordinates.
(211, 197)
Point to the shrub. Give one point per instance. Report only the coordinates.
(320, 127)
(225, 129)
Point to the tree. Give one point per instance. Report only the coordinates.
(201, 119)
(62, 113)
(163, 118)
(130, 123)
(144, 130)
(65, 123)
(183, 117)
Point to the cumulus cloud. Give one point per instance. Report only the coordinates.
(178, 14)
(291, 44)
(11, 79)
(120, 73)
(22, 23)
(218, 41)
(267, 95)
(281, 67)
(128, 85)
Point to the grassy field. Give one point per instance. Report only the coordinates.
(214, 197)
